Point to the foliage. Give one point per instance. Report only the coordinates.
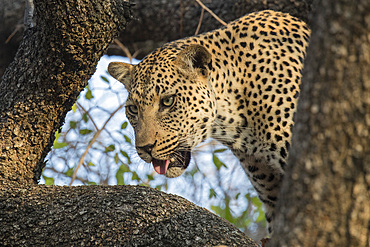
(95, 146)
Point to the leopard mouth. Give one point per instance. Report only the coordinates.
(178, 159)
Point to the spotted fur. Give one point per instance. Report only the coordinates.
(238, 84)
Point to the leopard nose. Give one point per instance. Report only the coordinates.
(147, 148)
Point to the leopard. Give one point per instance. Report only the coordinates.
(238, 84)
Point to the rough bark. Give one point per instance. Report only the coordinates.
(325, 200)
(326, 194)
(170, 20)
(108, 216)
(52, 65)
(155, 22)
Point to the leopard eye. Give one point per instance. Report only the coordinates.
(168, 101)
(132, 109)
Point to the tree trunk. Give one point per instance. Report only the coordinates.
(325, 200)
(155, 22)
(53, 64)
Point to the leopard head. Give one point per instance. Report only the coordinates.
(171, 104)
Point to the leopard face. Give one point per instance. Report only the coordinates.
(171, 106)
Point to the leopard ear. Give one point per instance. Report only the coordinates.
(193, 57)
(121, 72)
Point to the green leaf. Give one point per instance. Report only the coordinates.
(217, 162)
(69, 172)
(217, 209)
(119, 174)
(193, 171)
(225, 212)
(261, 216)
(124, 125)
(74, 107)
(57, 134)
(212, 193)
(120, 180)
(256, 202)
(57, 145)
(228, 216)
(90, 164)
(126, 155)
(89, 95)
(110, 148)
(85, 131)
(48, 181)
(127, 139)
(73, 124)
(91, 183)
(158, 187)
(150, 177)
(220, 150)
(116, 159)
(85, 117)
(104, 79)
(124, 168)
(135, 176)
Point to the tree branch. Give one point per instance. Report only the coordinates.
(108, 216)
(156, 22)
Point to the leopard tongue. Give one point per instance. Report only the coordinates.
(160, 166)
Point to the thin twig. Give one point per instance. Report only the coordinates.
(210, 11)
(200, 21)
(17, 28)
(88, 114)
(124, 49)
(93, 140)
(136, 53)
(181, 17)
